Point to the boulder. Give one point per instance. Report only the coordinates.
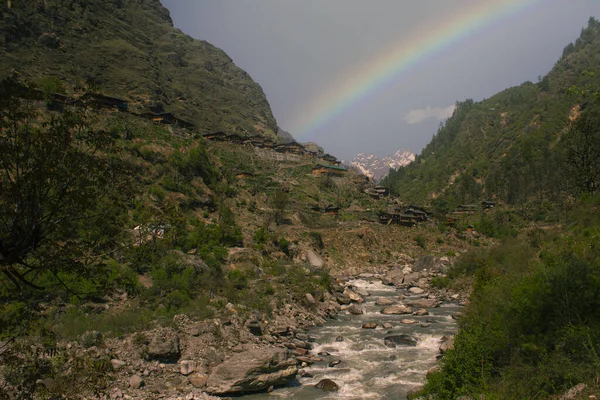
(396, 310)
(328, 385)
(574, 392)
(310, 298)
(387, 325)
(117, 364)
(353, 296)
(399, 340)
(429, 263)
(334, 363)
(136, 382)
(411, 278)
(416, 290)
(187, 367)
(447, 344)
(421, 311)
(423, 303)
(164, 346)
(339, 339)
(384, 301)
(371, 325)
(393, 277)
(361, 292)
(252, 371)
(198, 380)
(342, 298)
(314, 259)
(355, 310)
(409, 321)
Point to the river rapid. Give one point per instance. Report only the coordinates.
(368, 368)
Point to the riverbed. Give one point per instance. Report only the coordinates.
(368, 368)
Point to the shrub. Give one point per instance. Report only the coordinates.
(420, 240)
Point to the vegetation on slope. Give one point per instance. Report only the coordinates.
(129, 49)
(512, 146)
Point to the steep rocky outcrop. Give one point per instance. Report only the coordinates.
(252, 371)
(130, 50)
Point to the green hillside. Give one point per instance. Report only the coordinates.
(510, 147)
(129, 49)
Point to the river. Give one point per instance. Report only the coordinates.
(369, 369)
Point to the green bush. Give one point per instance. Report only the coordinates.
(420, 241)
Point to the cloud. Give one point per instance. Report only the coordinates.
(421, 114)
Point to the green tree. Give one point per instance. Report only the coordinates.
(582, 145)
(61, 191)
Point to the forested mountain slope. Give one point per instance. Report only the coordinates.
(507, 147)
(130, 49)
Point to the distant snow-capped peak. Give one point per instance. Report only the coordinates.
(376, 168)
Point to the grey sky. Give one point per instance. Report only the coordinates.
(295, 49)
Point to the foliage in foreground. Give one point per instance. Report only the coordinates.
(531, 329)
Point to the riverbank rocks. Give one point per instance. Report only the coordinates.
(423, 303)
(409, 321)
(447, 344)
(353, 296)
(384, 301)
(164, 346)
(396, 310)
(371, 325)
(360, 291)
(252, 371)
(355, 310)
(393, 341)
(327, 385)
(416, 290)
(393, 277)
(421, 312)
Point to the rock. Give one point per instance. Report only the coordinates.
(334, 363)
(425, 325)
(421, 311)
(399, 340)
(397, 310)
(310, 298)
(314, 259)
(409, 321)
(164, 346)
(323, 354)
(366, 275)
(136, 382)
(393, 357)
(339, 339)
(429, 263)
(50, 40)
(447, 344)
(393, 277)
(252, 371)
(387, 325)
(353, 296)
(410, 278)
(384, 301)
(355, 310)
(416, 290)
(423, 303)
(343, 298)
(573, 392)
(299, 351)
(361, 292)
(117, 364)
(187, 367)
(327, 385)
(371, 325)
(198, 380)
(305, 374)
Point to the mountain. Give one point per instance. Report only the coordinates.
(513, 146)
(376, 168)
(285, 136)
(129, 49)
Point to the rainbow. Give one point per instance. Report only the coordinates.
(358, 83)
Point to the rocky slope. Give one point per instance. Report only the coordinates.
(129, 49)
(376, 168)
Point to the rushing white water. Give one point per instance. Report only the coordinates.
(369, 369)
